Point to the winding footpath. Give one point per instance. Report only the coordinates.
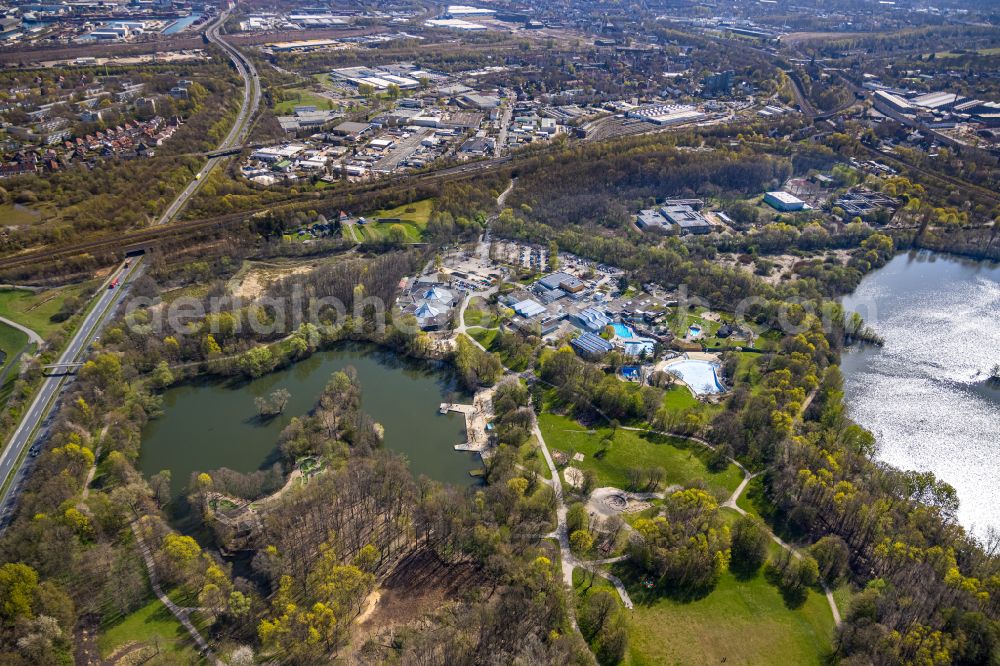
(732, 502)
(182, 614)
(568, 561)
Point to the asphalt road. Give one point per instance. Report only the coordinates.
(241, 128)
(14, 463)
(12, 458)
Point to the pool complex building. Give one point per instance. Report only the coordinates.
(632, 344)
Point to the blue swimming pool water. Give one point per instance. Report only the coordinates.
(694, 331)
(699, 375)
(622, 331)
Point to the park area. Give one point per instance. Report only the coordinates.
(145, 633)
(611, 453)
(289, 99)
(411, 218)
(738, 622)
(37, 309)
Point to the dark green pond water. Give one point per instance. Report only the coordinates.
(209, 425)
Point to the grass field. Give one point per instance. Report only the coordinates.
(684, 462)
(11, 342)
(478, 314)
(413, 219)
(679, 398)
(981, 52)
(739, 622)
(483, 336)
(152, 624)
(298, 97)
(35, 310)
(17, 215)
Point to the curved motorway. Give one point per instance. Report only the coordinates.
(14, 457)
(241, 128)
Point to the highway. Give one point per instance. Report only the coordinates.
(241, 128)
(13, 457)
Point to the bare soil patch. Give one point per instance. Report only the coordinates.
(420, 583)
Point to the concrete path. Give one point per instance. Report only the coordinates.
(731, 503)
(567, 559)
(32, 336)
(182, 614)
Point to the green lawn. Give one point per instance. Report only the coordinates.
(11, 342)
(152, 624)
(35, 310)
(739, 622)
(483, 336)
(478, 314)
(412, 217)
(17, 215)
(683, 461)
(679, 398)
(298, 97)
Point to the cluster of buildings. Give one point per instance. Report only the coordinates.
(579, 303)
(99, 20)
(680, 216)
(938, 109)
(295, 20)
(83, 120)
(129, 140)
(864, 203)
(944, 117)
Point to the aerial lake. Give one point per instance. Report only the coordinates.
(924, 394)
(213, 424)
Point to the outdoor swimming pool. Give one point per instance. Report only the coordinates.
(694, 331)
(636, 346)
(699, 375)
(622, 331)
(630, 372)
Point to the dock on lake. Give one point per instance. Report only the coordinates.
(477, 415)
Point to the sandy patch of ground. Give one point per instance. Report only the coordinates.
(421, 583)
(256, 280)
(781, 263)
(573, 476)
(371, 603)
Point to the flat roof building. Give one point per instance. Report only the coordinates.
(528, 308)
(783, 201)
(687, 220)
(888, 100)
(590, 346)
(568, 283)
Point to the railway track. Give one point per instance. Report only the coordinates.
(119, 243)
